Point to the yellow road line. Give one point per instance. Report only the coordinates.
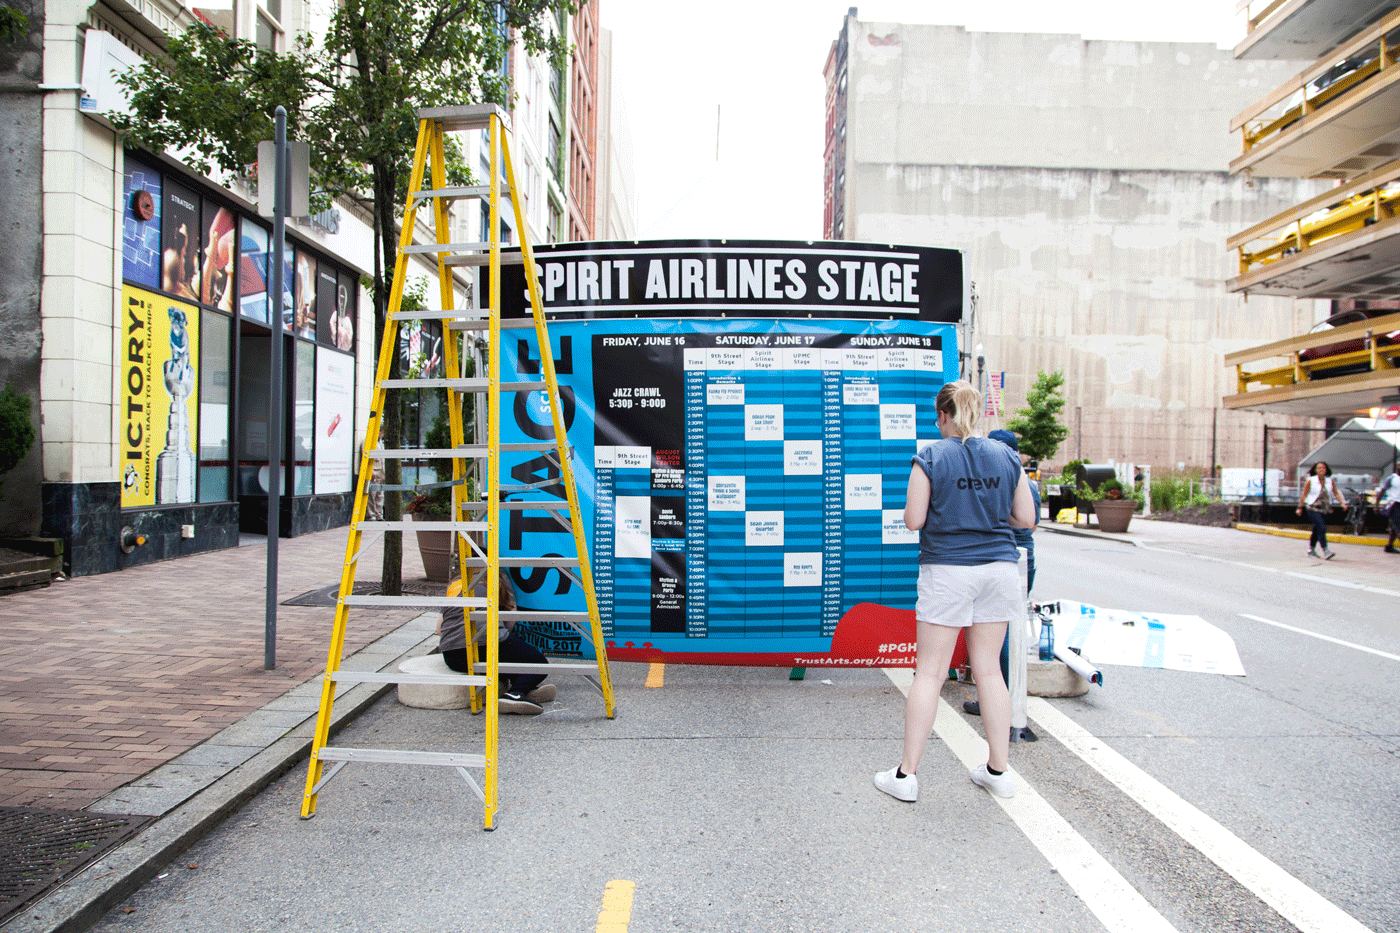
(617, 904)
(656, 674)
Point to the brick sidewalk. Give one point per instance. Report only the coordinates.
(104, 678)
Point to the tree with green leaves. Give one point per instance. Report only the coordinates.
(1037, 425)
(14, 25)
(354, 97)
(16, 429)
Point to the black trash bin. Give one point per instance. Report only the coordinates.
(1059, 496)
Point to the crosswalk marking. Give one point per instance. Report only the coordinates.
(1309, 911)
(1115, 902)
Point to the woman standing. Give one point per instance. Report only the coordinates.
(1320, 495)
(966, 494)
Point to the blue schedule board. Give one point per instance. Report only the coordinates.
(742, 482)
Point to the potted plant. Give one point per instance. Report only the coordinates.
(1112, 504)
(435, 546)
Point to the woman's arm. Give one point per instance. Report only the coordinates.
(1303, 495)
(916, 499)
(1023, 505)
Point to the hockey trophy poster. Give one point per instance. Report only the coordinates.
(159, 357)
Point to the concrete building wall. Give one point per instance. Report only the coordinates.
(616, 198)
(1085, 181)
(21, 115)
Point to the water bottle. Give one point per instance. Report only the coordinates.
(1047, 641)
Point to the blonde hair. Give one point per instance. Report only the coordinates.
(963, 404)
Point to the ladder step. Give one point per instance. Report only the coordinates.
(482, 259)
(465, 452)
(544, 505)
(395, 677)
(476, 563)
(394, 756)
(462, 385)
(563, 667)
(444, 247)
(535, 616)
(437, 314)
(485, 324)
(464, 116)
(470, 191)
(466, 602)
(422, 526)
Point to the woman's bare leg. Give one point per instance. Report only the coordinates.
(936, 644)
(984, 657)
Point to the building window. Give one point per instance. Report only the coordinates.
(269, 26)
(215, 383)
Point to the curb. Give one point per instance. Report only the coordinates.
(1075, 531)
(1373, 541)
(83, 900)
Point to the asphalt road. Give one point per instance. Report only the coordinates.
(739, 800)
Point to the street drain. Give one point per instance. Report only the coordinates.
(326, 596)
(40, 849)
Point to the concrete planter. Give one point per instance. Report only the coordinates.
(1114, 514)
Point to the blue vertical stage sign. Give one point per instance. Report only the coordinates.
(742, 416)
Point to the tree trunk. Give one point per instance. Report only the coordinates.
(391, 579)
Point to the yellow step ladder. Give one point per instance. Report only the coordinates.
(469, 520)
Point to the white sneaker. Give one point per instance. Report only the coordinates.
(1000, 784)
(900, 788)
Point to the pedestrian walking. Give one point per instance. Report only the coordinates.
(1387, 497)
(966, 493)
(1319, 496)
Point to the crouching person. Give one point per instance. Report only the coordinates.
(520, 693)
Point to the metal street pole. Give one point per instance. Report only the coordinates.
(274, 415)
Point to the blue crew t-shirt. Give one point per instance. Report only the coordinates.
(972, 485)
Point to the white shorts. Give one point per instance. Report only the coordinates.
(959, 596)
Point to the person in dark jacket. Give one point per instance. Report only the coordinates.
(520, 693)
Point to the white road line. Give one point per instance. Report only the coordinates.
(1309, 911)
(1335, 641)
(1310, 577)
(1115, 902)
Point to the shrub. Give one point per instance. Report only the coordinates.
(16, 430)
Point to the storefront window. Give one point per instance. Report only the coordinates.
(306, 295)
(214, 385)
(141, 226)
(190, 263)
(303, 442)
(253, 272)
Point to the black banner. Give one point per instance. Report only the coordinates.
(762, 278)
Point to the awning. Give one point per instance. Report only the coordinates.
(1362, 445)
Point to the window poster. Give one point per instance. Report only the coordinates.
(343, 320)
(220, 247)
(335, 421)
(305, 319)
(141, 225)
(288, 282)
(253, 272)
(326, 286)
(160, 398)
(180, 259)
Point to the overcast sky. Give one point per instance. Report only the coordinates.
(760, 63)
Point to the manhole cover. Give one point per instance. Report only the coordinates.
(326, 596)
(42, 848)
